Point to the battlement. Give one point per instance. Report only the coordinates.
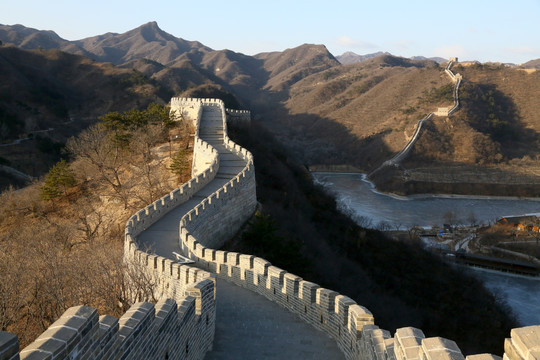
(442, 111)
(169, 329)
(238, 117)
(351, 325)
(181, 325)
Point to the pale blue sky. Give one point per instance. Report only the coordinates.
(472, 29)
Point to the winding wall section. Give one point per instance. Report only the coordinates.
(398, 158)
(181, 325)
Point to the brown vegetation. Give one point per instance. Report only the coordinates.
(47, 96)
(327, 113)
(490, 146)
(68, 250)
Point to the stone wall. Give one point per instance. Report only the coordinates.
(183, 327)
(219, 216)
(457, 78)
(183, 109)
(204, 156)
(351, 325)
(442, 111)
(170, 329)
(238, 117)
(187, 298)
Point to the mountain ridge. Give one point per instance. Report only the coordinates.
(325, 112)
(350, 57)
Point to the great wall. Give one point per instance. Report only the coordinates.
(444, 111)
(206, 212)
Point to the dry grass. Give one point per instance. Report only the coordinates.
(68, 251)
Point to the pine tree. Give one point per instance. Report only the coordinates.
(59, 179)
(180, 163)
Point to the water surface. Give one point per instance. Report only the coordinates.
(521, 293)
(358, 197)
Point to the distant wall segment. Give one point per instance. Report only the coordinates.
(441, 111)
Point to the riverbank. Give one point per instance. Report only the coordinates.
(347, 169)
(507, 181)
(343, 168)
(518, 292)
(370, 207)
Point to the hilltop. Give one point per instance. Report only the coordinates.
(350, 57)
(46, 96)
(491, 146)
(324, 112)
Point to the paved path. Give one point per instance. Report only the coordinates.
(248, 326)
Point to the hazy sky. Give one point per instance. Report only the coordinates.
(506, 31)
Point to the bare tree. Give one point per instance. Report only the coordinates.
(450, 218)
(472, 219)
(146, 164)
(13, 298)
(384, 226)
(414, 233)
(104, 159)
(92, 223)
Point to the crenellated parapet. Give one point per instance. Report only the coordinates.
(457, 78)
(219, 216)
(441, 111)
(167, 330)
(171, 282)
(186, 109)
(351, 325)
(240, 118)
(181, 324)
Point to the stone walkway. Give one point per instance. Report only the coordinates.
(248, 326)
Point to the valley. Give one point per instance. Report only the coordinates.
(322, 113)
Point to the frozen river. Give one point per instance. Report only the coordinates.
(369, 207)
(359, 197)
(521, 293)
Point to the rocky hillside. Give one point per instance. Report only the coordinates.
(46, 96)
(325, 112)
(147, 41)
(361, 113)
(533, 64)
(490, 146)
(350, 57)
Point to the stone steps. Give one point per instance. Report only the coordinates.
(247, 324)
